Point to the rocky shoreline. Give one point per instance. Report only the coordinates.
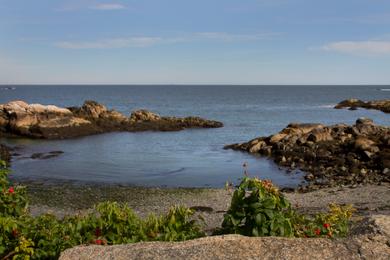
(353, 104)
(329, 155)
(17, 118)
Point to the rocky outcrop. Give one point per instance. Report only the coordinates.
(51, 122)
(382, 105)
(329, 155)
(372, 243)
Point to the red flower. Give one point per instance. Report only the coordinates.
(98, 242)
(11, 190)
(326, 225)
(317, 232)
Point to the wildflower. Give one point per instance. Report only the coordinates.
(11, 190)
(326, 225)
(317, 232)
(98, 242)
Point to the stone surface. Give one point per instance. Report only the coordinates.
(370, 243)
(329, 155)
(38, 121)
(382, 105)
(143, 115)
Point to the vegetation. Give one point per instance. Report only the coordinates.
(23, 236)
(257, 209)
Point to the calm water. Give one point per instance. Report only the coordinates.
(187, 158)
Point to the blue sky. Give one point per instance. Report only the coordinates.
(195, 42)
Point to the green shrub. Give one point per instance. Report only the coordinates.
(335, 223)
(258, 209)
(177, 225)
(45, 237)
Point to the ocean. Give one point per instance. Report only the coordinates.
(189, 158)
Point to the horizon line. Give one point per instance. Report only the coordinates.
(178, 84)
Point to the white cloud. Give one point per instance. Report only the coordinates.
(359, 47)
(147, 41)
(108, 6)
(111, 43)
(223, 36)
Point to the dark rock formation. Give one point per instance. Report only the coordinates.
(330, 155)
(5, 153)
(353, 104)
(44, 156)
(38, 121)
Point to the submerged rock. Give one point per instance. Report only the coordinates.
(52, 122)
(5, 153)
(330, 155)
(353, 104)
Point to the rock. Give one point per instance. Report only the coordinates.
(5, 153)
(51, 122)
(257, 147)
(276, 138)
(352, 102)
(91, 110)
(382, 105)
(143, 115)
(329, 155)
(369, 245)
(320, 134)
(44, 156)
(365, 144)
(364, 121)
(3, 119)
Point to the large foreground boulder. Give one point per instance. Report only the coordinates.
(330, 155)
(353, 103)
(370, 243)
(52, 122)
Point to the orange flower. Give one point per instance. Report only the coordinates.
(317, 232)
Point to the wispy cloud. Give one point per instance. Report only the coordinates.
(223, 36)
(147, 41)
(111, 43)
(359, 47)
(108, 6)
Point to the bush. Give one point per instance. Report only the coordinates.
(23, 236)
(335, 223)
(259, 209)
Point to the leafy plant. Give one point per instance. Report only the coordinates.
(334, 223)
(258, 209)
(23, 236)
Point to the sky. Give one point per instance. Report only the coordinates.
(195, 42)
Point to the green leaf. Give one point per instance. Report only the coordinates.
(259, 219)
